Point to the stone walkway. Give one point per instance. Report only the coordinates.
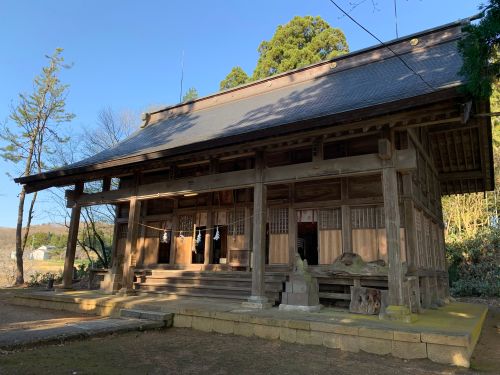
(22, 326)
(71, 331)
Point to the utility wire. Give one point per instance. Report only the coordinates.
(382, 43)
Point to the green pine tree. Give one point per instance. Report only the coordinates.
(302, 41)
(31, 135)
(236, 77)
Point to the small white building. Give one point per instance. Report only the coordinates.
(42, 253)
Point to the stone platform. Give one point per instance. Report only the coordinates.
(447, 335)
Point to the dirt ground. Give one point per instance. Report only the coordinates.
(486, 356)
(185, 351)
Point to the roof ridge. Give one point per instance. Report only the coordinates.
(316, 70)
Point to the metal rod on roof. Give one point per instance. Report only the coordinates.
(182, 75)
(396, 17)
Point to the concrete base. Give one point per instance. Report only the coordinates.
(398, 313)
(257, 302)
(285, 307)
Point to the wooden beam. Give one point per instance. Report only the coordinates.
(208, 234)
(346, 218)
(106, 183)
(258, 295)
(292, 225)
(131, 244)
(460, 175)
(317, 152)
(355, 165)
(467, 107)
(421, 149)
(392, 226)
(69, 259)
(173, 234)
(430, 123)
(410, 224)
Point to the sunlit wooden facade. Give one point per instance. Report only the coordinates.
(363, 174)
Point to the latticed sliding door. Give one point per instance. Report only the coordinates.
(150, 242)
(278, 236)
(368, 232)
(330, 235)
(184, 240)
(369, 239)
(236, 229)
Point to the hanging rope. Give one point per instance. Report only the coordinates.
(216, 228)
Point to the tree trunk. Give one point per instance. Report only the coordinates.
(19, 244)
(28, 223)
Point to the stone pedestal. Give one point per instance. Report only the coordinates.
(301, 291)
(398, 313)
(257, 302)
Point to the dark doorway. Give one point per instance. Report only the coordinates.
(164, 249)
(307, 242)
(219, 246)
(199, 247)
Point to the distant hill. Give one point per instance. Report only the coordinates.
(8, 235)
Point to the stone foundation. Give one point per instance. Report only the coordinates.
(447, 335)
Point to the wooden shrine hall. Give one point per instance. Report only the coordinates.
(343, 162)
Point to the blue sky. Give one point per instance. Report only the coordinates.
(127, 54)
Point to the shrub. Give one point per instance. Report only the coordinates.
(39, 279)
(473, 265)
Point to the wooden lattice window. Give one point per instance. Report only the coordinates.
(236, 222)
(186, 223)
(278, 220)
(330, 219)
(370, 217)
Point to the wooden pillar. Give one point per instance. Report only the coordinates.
(106, 183)
(412, 260)
(258, 298)
(207, 257)
(392, 227)
(69, 259)
(131, 244)
(410, 224)
(346, 219)
(173, 234)
(426, 292)
(248, 230)
(292, 227)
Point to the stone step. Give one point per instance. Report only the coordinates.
(273, 286)
(278, 276)
(241, 294)
(237, 288)
(148, 290)
(148, 315)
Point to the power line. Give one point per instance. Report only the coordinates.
(382, 43)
